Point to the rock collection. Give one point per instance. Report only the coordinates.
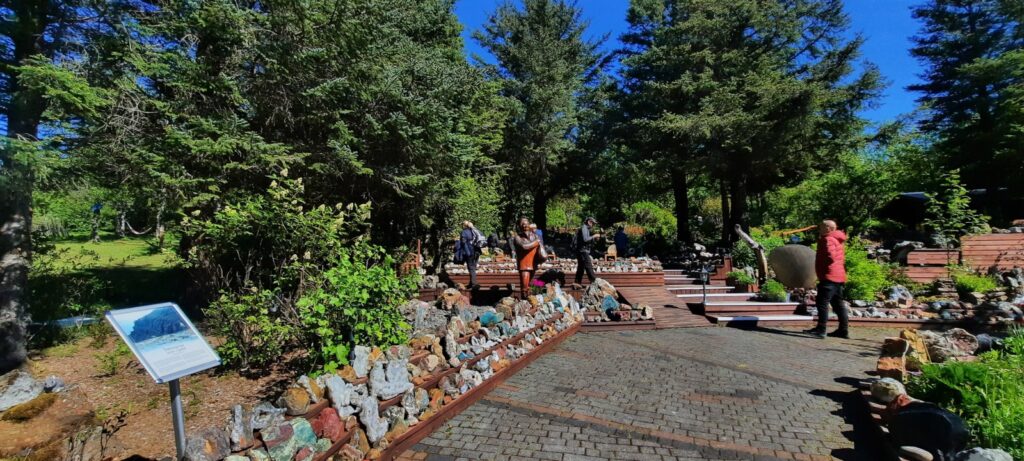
(601, 304)
(362, 409)
(568, 266)
(922, 431)
(992, 308)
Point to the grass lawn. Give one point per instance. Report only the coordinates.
(120, 253)
(90, 277)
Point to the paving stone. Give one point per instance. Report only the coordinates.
(712, 393)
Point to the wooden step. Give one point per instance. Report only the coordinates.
(698, 288)
(763, 320)
(748, 307)
(715, 297)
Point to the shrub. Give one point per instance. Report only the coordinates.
(773, 291)
(743, 255)
(740, 278)
(968, 282)
(254, 324)
(988, 394)
(355, 302)
(864, 277)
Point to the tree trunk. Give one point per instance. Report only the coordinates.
(540, 210)
(121, 224)
(682, 199)
(160, 224)
(23, 115)
(726, 215)
(95, 237)
(740, 214)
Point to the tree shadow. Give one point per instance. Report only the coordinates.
(866, 443)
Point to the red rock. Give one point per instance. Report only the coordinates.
(350, 453)
(278, 435)
(892, 367)
(331, 425)
(304, 454)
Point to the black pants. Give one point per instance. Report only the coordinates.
(471, 265)
(584, 263)
(831, 293)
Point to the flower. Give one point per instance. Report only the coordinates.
(537, 283)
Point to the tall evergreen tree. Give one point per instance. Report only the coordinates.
(40, 38)
(548, 66)
(753, 93)
(970, 50)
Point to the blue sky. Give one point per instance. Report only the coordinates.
(886, 25)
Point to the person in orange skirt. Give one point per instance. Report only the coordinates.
(526, 243)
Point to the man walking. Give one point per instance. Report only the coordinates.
(829, 264)
(583, 243)
(472, 241)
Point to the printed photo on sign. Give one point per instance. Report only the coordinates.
(164, 340)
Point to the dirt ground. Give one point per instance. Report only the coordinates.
(104, 383)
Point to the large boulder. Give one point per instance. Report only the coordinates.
(18, 387)
(793, 266)
(949, 344)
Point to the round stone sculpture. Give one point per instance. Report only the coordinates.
(793, 266)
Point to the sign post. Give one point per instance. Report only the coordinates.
(178, 418)
(169, 347)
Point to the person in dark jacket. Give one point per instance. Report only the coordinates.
(830, 266)
(470, 251)
(621, 242)
(584, 245)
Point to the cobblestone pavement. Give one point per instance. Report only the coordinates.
(680, 394)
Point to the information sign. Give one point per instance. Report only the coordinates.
(164, 340)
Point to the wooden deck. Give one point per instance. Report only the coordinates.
(669, 311)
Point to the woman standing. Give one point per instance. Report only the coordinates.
(526, 244)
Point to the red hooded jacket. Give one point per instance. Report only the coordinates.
(830, 261)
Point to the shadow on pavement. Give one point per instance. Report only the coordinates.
(866, 445)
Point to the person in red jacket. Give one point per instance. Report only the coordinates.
(829, 264)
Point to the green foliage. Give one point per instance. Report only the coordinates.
(60, 286)
(849, 193)
(968, 281)
(658, 221)
(773, 291)
(740, 278)
(743, 255)
(972, 83)
(255, 326)
(950, 214)
(354, 302)
(109, 363)
(710, 88)
(988, 394)
(864, 277)
(477, 200)
(547, 66)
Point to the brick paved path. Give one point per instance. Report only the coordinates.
(695, 393)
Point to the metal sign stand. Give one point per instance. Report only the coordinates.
(178, 417)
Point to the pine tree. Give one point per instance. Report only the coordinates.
(971, 53)
(754, 94)
(38, 89)
(547, 65)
